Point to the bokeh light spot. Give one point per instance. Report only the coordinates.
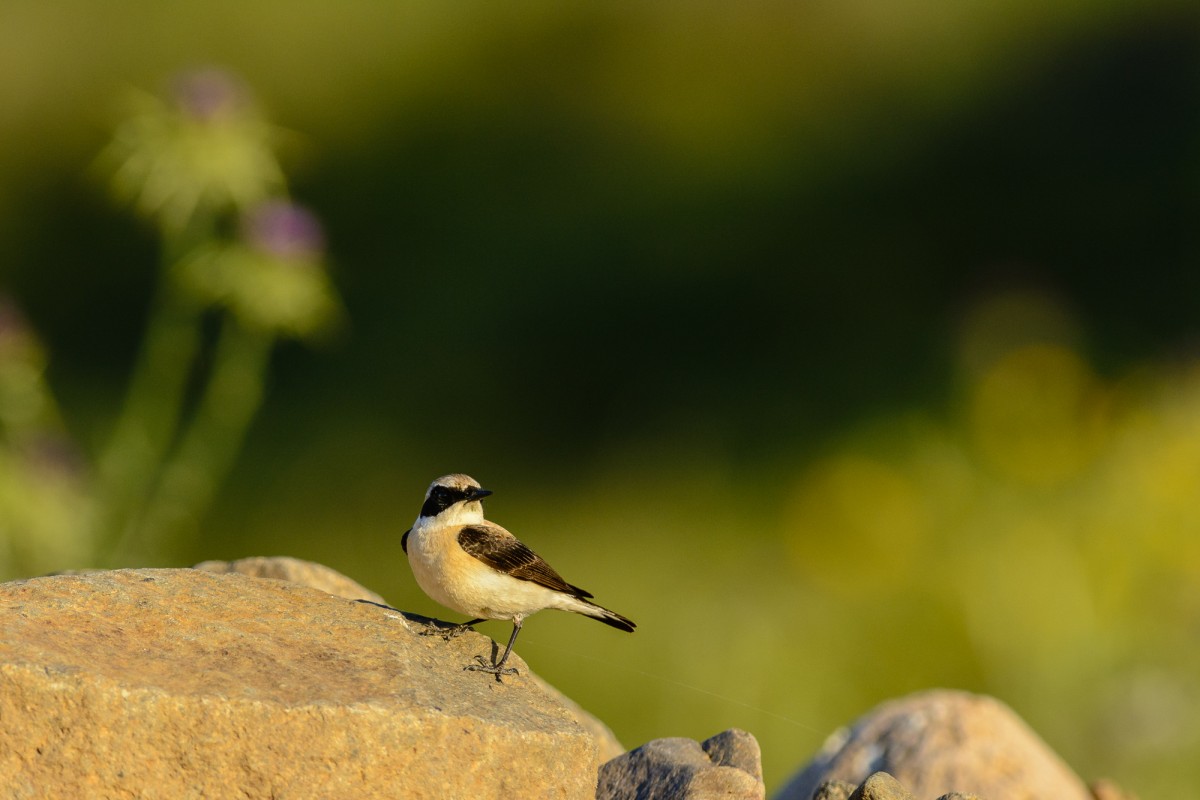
(1036, 415)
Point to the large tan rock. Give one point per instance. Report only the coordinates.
(187, 684)
(943, 741)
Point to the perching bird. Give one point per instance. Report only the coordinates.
(479, 569)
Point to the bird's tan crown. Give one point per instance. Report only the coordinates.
(457, 481)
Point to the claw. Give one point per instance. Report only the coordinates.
(492, 669)
(446, 632)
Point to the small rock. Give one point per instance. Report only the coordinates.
(184, 683)
(295, 570)
(727, 766)
(881, 786)
(960, 796)
(943, 741)
(735, 748)
(834, 790)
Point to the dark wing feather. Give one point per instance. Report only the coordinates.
(502, 551)
(404, 541)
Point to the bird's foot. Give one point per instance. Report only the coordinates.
(447, 632)
(482, 665)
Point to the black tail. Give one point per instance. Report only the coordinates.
(610, 618)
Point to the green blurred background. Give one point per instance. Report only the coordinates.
(848, 348)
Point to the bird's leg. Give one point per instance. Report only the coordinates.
(449, 632)
(498, 668)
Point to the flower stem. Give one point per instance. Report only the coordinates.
(212, 438)
(130, 462)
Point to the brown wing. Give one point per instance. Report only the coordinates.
(502, 551)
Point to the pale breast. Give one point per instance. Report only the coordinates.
(462, 582)
(428, 556)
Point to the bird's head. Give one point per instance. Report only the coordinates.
(457, 496)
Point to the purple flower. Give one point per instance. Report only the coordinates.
(284, 230)
(209, 93)
(51, 453)
(17, 339)
(12, 321)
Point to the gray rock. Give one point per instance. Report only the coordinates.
(881, 786)
(943, 741)
(183, 683)
(834, 790)
(727, 766)
(735, 748)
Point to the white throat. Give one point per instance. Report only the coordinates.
(459, 514)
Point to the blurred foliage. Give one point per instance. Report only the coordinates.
(847, 348)
(44, 510)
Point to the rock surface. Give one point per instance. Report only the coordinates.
(185, 684)
(943, 741)
(295, 570)
(727, 766)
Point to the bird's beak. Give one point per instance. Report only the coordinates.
(479, 494)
